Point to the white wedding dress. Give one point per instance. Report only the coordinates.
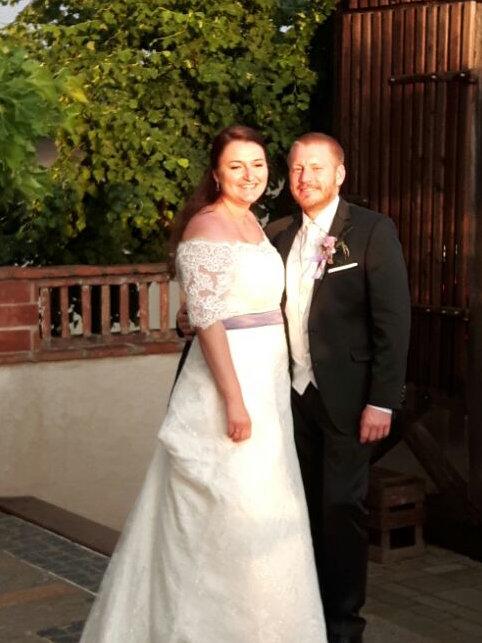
(217, 548)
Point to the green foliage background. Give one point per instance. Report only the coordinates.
(33, 105)
(160, 77)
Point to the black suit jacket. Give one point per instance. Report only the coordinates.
(359, 319)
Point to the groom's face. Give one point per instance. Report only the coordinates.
(315, 175)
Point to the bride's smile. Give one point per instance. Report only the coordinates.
(242, 173)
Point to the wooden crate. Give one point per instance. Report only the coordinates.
(395, 501)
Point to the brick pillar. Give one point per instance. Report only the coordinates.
(18, 316)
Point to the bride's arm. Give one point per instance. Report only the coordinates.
(215, 347)
(206, 276)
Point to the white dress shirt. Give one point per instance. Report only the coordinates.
(300, 271)
(301, 267)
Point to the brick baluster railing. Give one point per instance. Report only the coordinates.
(72, 312)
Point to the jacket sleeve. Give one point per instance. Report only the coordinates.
(389, 300)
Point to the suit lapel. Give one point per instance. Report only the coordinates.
(341, 220)
(287, 237)
(339, 224)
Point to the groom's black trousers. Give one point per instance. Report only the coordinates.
(335, 467)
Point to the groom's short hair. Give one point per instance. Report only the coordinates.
(319, 137)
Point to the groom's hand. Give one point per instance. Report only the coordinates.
(374, 425)
(183, 326)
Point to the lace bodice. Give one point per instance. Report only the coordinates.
(222, 279)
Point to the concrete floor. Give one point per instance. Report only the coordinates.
(47, 585)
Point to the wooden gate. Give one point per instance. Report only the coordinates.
(406, 113)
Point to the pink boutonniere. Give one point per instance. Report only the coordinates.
(325, 256)
(329, 247)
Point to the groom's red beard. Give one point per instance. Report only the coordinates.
(313, 198)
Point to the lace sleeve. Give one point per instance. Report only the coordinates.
(205, 270)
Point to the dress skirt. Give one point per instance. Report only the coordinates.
(217, 548)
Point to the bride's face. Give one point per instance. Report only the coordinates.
(242, 172)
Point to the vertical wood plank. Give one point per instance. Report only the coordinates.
(105, 309)
(366, 115)
(467, 123)
(143, 308)
(427, 196)
(385, 111)
(164, 305)
(354, 167)
(427, 162)
(45, 314)
(438, 252)
(416, 224)
(455, 36)
(64, 311)
(450, 209)
(373, 143)
(469, 25)
(415, 187)
(124, 308)
(345, 85)
(453, 155)
(442, 59)
(431, 18)
(407, 139)
(396, 121)
(86, 310)
(465, 137)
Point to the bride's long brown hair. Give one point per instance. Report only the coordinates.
(206, 192)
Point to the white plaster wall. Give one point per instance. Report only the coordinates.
(79, 434)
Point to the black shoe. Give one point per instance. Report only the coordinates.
(341, 638)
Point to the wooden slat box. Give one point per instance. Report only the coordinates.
(395, 501)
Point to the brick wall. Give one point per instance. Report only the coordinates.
(18, 319)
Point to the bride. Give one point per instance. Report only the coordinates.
(217, 548)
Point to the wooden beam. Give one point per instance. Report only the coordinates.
(444, 475)
(434, 77)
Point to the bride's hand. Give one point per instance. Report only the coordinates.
(239, 422)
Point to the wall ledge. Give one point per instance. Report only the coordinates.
(60, 521)
(126, 349)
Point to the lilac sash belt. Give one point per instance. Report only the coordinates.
(252, 320)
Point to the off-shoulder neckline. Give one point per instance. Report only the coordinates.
(223, 242)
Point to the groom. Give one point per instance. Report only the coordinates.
(348, 315)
